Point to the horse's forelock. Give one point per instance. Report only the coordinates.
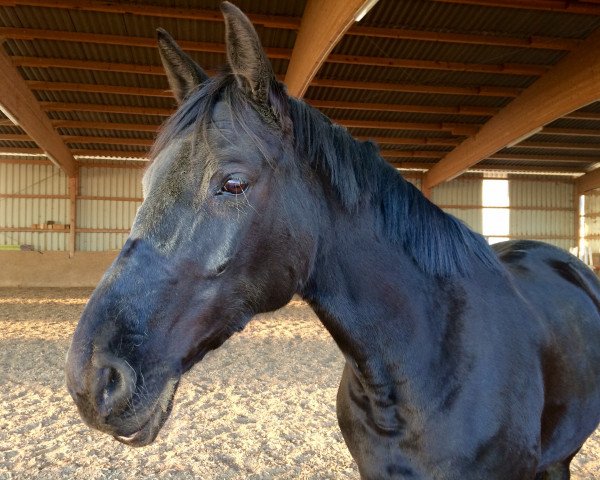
(195, 114)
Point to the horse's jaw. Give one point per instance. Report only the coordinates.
(148, 431)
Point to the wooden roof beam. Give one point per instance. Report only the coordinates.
(19, 104)
(412, 141)
(411, 154)
(549, 43)
(293, 23)
(571, 132)
(281, 53)
(389, 107)
(454, 128)
(583, 116)
(121, 40)
(579, 7)
(97, 107)
(17, 137)
(559, 146)
(587, 182)
(573, 83)
(542, 158)
(379, 107)
(146, 10)
(483, 91)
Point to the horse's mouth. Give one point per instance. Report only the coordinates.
(148, 432)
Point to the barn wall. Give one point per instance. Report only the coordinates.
(543, 210)
(106, 205)
(46, 187)
(592, 220)
(109, 200)
(461, 197)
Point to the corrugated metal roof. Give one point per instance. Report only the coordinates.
(426, 16)
(369, 73)
(446, 17)
(386, 97)
(444, 52)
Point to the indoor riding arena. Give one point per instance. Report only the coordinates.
(489, 109)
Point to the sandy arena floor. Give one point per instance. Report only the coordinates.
(261, 407)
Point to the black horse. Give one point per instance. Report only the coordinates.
(461, 362)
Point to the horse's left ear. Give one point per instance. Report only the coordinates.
(183, 73)
(245, 54)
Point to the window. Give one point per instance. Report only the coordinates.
(496, 214)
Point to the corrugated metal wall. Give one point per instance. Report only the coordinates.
(122, 185)
(543, 210)
(23, 212)
(462, 198)
(592, 220)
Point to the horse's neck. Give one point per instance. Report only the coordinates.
(385, 314)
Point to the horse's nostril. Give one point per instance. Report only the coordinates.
(108, 380)
(114, 385)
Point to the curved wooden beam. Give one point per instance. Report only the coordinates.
(571, 84)
(589, 181)
(18, 103)
(323, 25)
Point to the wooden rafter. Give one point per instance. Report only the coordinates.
(293, 23)
(97, 107)
(464, 110)
(542, 158)
(587, 182)
(378, 107)
(412, 140)
(582, 8)
(39, 62)
(454, 128)
(122, 40)
(482, 91)
(387, 107)
(18, 103)
(144, 9)
(549, 43)
(583, 116)
(573, 83)
(504, 68)
(93, 88)
(343, 84)
(575, 132)
(560, 146)
(411, 154)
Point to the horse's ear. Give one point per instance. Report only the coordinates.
(245, 54)
(183, 73)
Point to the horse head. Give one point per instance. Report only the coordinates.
(222, 234)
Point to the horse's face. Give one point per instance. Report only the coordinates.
(220, 236)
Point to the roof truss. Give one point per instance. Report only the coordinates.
(573, 83)
(18, 103)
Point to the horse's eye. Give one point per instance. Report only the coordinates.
(234, 186)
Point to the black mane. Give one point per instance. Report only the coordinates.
(438, 242)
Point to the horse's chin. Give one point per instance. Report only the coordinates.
(148, 432)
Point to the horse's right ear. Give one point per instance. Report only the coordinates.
(183, 73)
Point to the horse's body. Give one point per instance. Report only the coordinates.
(502, 375)
(459, 365)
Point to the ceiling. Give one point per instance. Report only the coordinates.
(422, 78)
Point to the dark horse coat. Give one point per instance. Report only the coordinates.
(461, 362)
